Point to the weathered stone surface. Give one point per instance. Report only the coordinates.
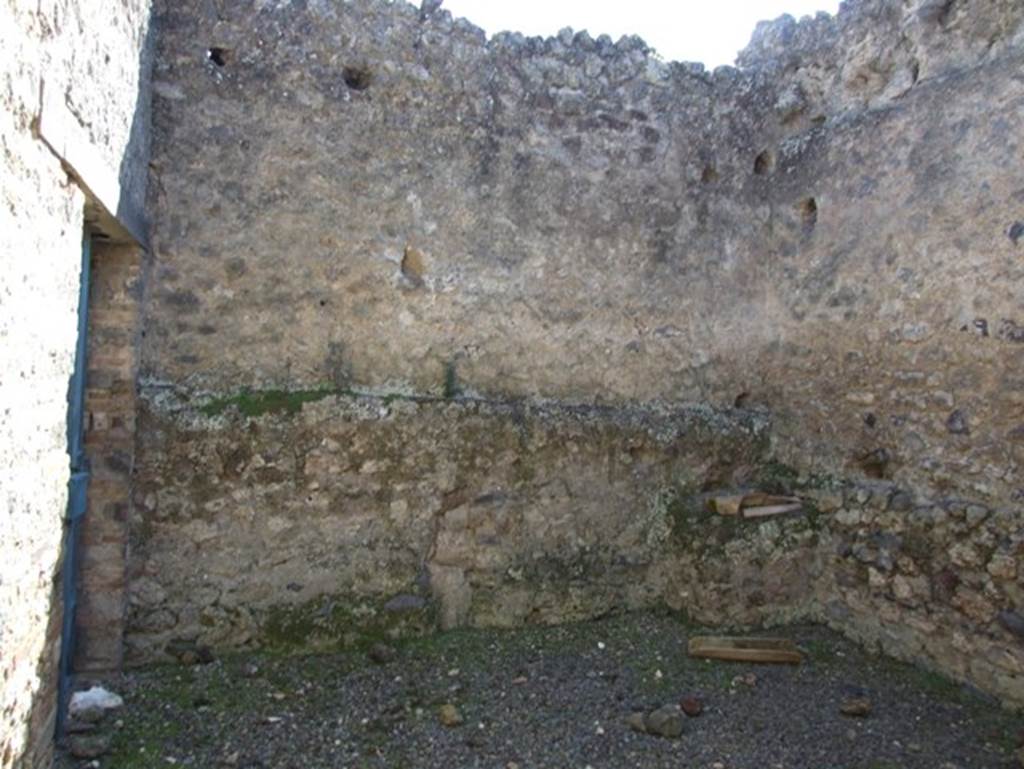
(641, 251)
(449, 716)
(91, 60)
(666, 721)
(1012, 621)
(637, 722)
(501, 511)
(532, 252)
(88, 745)
(692, 706)
(857, 707)
(382, 653)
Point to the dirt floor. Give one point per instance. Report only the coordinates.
(549, 697)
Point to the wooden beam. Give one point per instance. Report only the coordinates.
(767, 510)
(738, 649)
(726, 505)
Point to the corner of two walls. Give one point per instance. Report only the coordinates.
(416, 339)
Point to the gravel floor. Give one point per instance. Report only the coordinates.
(553, 697)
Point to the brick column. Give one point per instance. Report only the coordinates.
(110, 440)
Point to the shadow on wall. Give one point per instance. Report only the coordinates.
(108, 218)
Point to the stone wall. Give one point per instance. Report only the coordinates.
(85, 59)
(569, 218)
(367, 198)
(298, 519)
(934, 581)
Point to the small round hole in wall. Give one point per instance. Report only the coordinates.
(219, 56)
(808, 211)
(357, 78)
(875, 464)
(764, 163)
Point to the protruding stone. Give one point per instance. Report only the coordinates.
(190, 652)
(856, 707)
(964, 555)
(791, 103)
(637, 722)
(975, 514)
(957, 424)
(1013, 622)
(1002, 567)
(692, 706)
(88, 746)
(382, 653)
(91, 715)
(85, 704)
(429, 7)
(666, 721)
(449, 716)
(405, 602)
(901, 502)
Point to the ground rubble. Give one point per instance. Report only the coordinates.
(619, 691)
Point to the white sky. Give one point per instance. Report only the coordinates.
(708, 31)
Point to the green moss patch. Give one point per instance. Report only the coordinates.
(332, 623)
(255, 403)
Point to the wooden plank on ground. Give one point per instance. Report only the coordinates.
(740, 649)
(760, 499)
(768, 510)
(755, 504)
(728, 505)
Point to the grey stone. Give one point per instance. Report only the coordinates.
(1013, 622)
(91, 715)
(957, 424)
(901, 502)
(791, 102)
(637, 722)
(405, 602)
(976, 514)
(666, 721)
(88, 745)
(382, 653)
(74, 726)
(429, 7)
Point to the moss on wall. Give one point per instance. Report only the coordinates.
(339, 622)
(255, 403)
